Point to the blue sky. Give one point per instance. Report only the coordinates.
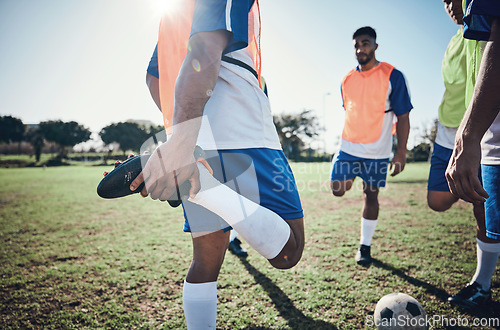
(86, 60)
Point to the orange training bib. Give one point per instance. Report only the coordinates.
(173, 38)
(364, 95)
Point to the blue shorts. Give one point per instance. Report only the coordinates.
(262, 175)
(372, 171)
(439, 162)
(491, 183)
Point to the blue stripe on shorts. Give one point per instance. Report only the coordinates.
(439, 162)
(372, 171)
(262, 175)
(491, 183)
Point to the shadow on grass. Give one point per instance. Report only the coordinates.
(295, 318)
(489, 311)
(435, 291)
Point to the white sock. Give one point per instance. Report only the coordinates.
(367, 230)
(262, 229)
(233, 235)
(487, 257)
(200, 305)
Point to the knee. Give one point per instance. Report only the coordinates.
(286, 262)
(439, 205)
(338, 193)
(339, 188)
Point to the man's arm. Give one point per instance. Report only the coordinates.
(483, 109)
(402, 132)
(173, 162)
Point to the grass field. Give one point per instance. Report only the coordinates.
(72, 260)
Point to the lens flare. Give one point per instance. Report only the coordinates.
(196, 65)
(168, 6)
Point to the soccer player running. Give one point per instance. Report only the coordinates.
(216, 45)
(373, 94)
(477, 145)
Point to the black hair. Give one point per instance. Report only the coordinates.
(365, 30)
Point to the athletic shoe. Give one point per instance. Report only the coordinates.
(236, 248)
(116, 183)
(472, 296)
(363, 256)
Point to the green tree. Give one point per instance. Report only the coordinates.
(65, 134)
(35, 137)
(429, 132)
(11, 129)
(129, 135)
(427, 136)
(421, 153)
(296, 129)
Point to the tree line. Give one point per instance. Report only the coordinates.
(296, 132)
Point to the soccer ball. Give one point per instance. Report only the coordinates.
(399, 311)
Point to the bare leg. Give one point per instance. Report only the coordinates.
(370, 206)
(208, 256)
(339, 188)
(440, 201)
(292, 251)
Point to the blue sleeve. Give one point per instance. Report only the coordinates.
(342, 96)
(400, 97)
(230, 15)
(478, 18)
(153, 64)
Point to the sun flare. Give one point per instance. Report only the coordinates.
(167, 6)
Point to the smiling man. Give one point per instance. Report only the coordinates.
(373, 94)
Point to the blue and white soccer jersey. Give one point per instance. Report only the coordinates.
(370, 160)
(478, 18)
(230, 15)
(153, 64)
(477, 25)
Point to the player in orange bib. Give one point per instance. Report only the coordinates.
(373, 95)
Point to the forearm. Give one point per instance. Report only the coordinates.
(402, 133)
(485, 103)
(196, 81)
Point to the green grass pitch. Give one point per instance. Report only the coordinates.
(72, 260)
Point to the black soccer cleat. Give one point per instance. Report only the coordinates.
(363, 256)
(116, 183)
(236, 248)
(471, 296)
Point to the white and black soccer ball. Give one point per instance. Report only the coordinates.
(399, 311)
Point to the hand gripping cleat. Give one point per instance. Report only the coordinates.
(116, 183)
